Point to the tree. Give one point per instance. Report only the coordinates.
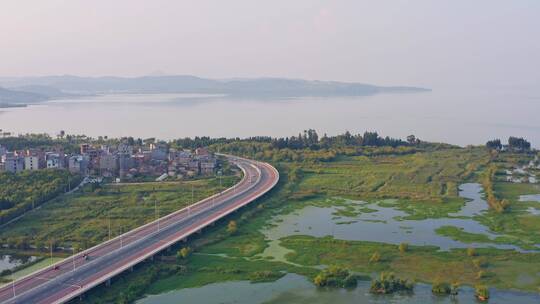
(232, 227)
(412, 140)
(494, 144)
(481, 292)
(518, 144)
(403, 247)
(471, 252)
(184, 253)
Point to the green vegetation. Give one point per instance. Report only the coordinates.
(481, 292)
(501, 268)
(184, 253)
(232, 227)
(499, 205)
(82, 219)
(403, 247)
(22, 192)
(444, 288)
(389, 283)
(335, 276)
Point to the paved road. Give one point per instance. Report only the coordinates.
(75, 275)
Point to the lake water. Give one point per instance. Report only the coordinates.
(385, 225)
(454, 115)
(297, 289)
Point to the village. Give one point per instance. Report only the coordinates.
(122, 162)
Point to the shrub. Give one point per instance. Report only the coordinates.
(481, 292)
(403, 247)
(441, 288)
(232, 227)
(471, 252)
(480, 263)
(183, 253)
(375, 257)
(335, 276)
(388, 283)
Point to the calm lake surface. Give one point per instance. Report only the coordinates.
(455, 115)
(384, 225)
(297, 289)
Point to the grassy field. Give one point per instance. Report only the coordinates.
(82, 219)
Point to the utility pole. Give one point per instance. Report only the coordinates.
(73, 257)
(109, 215)
(156, 211)
(50, 248)
(13, 282)
(192, 194)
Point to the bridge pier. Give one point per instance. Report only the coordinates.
(200, 231)
(131, 268)
(184, 239)
(108, 283)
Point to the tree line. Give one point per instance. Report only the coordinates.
(26, 190)
(516, 144)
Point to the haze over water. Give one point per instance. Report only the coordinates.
(454, 115)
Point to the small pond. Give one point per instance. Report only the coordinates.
(8, 262)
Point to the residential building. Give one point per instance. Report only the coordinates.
(54, 161)
(13, 163)
(208, 166)
(108, 162)
(202, 152)
(3, 150)
(78, 164)
(31, 163)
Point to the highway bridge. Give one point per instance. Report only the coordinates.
(75, 275)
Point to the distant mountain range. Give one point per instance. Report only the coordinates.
(36, 89)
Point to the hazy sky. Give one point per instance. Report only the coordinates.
(427, 43)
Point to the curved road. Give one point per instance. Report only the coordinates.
(73, 276)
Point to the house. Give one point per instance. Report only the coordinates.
(201, 152)
(208, 165)
(159, 154)
(193, 166)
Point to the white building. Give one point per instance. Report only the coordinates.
(53, 161)
(31, 163)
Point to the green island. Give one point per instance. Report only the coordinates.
(354, 176)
